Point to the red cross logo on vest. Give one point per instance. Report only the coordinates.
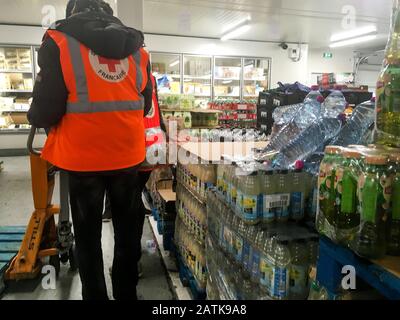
(107, 68)
(111, 63)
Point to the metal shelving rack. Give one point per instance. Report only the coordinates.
(19, 92)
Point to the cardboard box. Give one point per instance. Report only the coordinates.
(19, 118)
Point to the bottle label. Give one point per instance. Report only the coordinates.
(266, 271)
(298, 279)
(249, 207)
(314, 202)
(255, 262)
(396, 198)
(347, 191)
(220, 184)
(238, 248)
(233, 197)
(276, 201)
(228, 239)
(246, 256)
(297, 205)
(280, 283)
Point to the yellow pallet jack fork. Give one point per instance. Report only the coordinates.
(43, 238)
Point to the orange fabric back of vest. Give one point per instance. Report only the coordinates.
(103, 128)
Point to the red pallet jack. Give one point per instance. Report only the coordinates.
(43, 238)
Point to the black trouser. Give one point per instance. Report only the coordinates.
(87, 201)
(143, 177)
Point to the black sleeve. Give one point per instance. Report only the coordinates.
(148, 92)
(162, 124)
(50, 93)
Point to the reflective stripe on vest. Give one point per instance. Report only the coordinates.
(103, 128)
(84, 105)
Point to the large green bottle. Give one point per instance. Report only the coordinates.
(374, 196)
(388, 87)
(394, 231)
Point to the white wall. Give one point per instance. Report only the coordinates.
(21, 35)
(341, 62)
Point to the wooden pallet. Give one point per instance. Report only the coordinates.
(383, 275)
(10, 243)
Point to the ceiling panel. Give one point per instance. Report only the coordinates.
(308, 21)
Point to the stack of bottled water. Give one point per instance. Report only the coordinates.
(308, 127)
(264, 197)
(249, 262)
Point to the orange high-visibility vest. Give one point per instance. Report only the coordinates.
(103, 127)
(155, 137)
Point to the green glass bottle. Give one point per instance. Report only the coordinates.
(394, 229)
(388, 88)
(348, 218)
(374, 196)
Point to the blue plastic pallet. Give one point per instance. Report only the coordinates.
(187, 278)
(155, 214)
(168, 240)
(333, 257)
(10, 243)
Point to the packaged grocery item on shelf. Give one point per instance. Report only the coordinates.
(236, 113)
(357, 199)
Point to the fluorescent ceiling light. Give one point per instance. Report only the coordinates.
(353, 33)
(173, 64)
(353, 41)
(237, 31)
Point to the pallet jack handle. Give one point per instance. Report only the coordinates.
(31, 137)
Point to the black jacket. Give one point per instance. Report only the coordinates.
(106, 36)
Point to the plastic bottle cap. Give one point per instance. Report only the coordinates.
(320, 99)
(394, 157)
(333, 149)
(378, 160)
(352, 154)
(299, 165)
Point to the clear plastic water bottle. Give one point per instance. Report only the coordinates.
(357, 126)
(298, 194)
(280, 272)
(313, 251)
(282, 201)
(248, 191)
(284, 114)
(268, 185)
(266, 262)
(248, 243)
(307, 142)
(334, 105)
(314, 94)
(256, 255)
(309, 113)
(298, 270)
(317, 292)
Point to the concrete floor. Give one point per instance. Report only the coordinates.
(15, 209)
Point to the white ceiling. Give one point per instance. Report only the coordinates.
(308, 21)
